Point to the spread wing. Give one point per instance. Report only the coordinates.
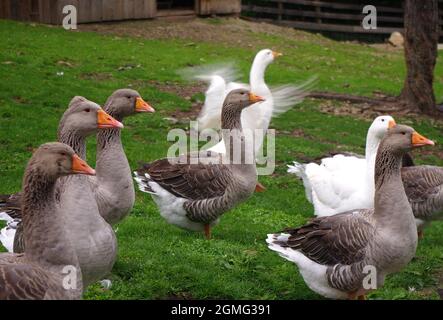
(341, 238)
(190, 181)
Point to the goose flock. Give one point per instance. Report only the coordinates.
(370, 210)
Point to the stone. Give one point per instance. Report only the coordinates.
(396, 39)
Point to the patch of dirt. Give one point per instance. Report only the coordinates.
(185, 91)
(179, 296)
(232, 31)
(19, 99)
(96, 76)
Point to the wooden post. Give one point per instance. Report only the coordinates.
(280, 11)
(318, 10)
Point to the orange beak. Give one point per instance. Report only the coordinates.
(254, 98)
(276, 54)
(419, 141)
(391, 124)
(104, 120)
(142, 106)
(79, 166)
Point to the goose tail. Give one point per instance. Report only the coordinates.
(7, 234)
(278, 242)
(143, 180)
(299, 170)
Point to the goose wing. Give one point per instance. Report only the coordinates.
(338, 239)
(422, 182)
(20, 281)
(187, 180)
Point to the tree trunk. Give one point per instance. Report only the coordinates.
(421, 39)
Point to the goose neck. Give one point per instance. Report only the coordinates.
(257, 75)
(239, 150)
(44, 234)
(76, 141)
(389, 190)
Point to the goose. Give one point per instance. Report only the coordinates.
(276, 101)
(424, 188)
(49, 269)
(348, 254)
(341, 183)
(194, 190)
(93, 239)
(113, 186)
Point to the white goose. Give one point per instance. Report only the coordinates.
(341, 183)
(277, 100)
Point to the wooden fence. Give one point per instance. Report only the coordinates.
(50, 11)
(330, 16)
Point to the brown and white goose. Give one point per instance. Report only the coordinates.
(50, 268)
(335, 254)
(194, 190)
(93, 239)
(113, 186)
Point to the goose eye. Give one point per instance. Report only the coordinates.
(63, 154)
(403, 133)
(382, 120)
(87, 110)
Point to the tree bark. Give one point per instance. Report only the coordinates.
(421, 39)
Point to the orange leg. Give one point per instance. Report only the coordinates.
(207, 231)
(259, 187)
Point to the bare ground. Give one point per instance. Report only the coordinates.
(230, 31)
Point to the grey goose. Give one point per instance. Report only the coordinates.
(41, 272)
(335, 253)
(195, 189)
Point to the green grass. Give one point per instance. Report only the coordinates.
(157, 260)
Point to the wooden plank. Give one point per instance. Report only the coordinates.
(175, 13)
(128, 9)
(55, 11)
(24, 10)
(96, 11)
(84, 11)
(5, 12)
(204, 7)
(224, 6)
(34, 10)
(334, 5)
(113, 10)
(139, 9)
(151, 10)
(43, 11)
(315, 14)
(14, 10)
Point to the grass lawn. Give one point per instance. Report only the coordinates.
(157, 260)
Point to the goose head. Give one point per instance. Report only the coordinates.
(240, 99)
(266, 56)
(84, 117)
(380, 126)
(57, 159)
(401, 139)
(126, 102)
